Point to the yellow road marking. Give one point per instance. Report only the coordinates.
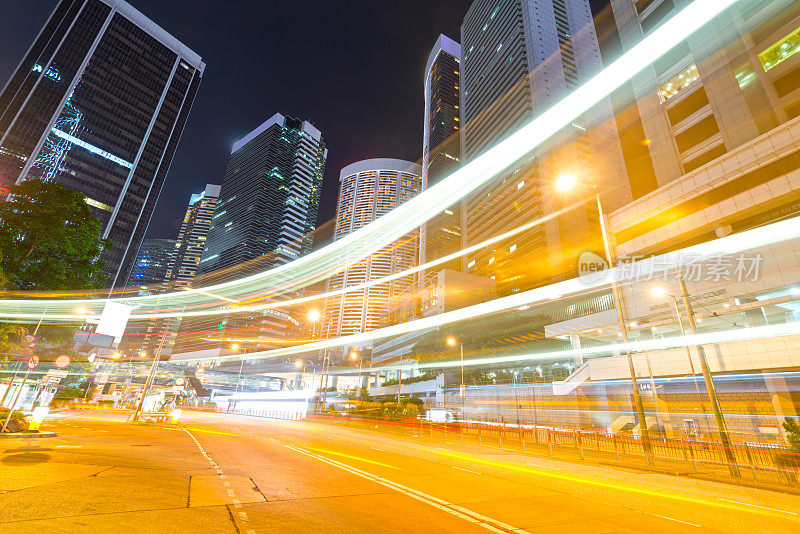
(607, 485)
(358, 458)
(193, 429)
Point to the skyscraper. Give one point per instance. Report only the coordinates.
(518, 58)
(193, 236)
(270, 197)
(152, 262)
(265, 217)
(441, 150)
(369, 189)
(98, 103)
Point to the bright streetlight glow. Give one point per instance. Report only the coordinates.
(565, 182)
(235, 346)
(313, 316)
(658, 292)
(298, 364)
(451, 341)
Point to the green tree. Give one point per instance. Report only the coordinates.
(49, 239)
(792, 432)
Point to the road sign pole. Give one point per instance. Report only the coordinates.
(16, 397)
(10, 383)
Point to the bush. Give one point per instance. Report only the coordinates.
(792, 433)
(4, 413)
(69, 393)
(411, 410)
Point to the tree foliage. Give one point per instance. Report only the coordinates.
(792, 432)
(49, 239)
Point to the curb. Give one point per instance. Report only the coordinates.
(29, 435)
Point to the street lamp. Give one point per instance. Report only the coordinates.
(353, 355)
(564, 183)
(706, 370)
(451, 341)
(235, 347)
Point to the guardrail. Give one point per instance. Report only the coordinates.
(761, 465)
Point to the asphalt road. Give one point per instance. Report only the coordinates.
(223, 473)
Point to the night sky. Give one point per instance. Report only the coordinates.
(354, 69)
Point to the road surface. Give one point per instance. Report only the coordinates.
(226, 473)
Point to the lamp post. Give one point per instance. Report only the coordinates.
(660, 292)
(451, 341)
(235, 347)
(353, 356)
(565, 183)
(710, 388)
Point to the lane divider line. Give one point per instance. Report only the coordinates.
(236, 502)
(759, 506)
(463, 513)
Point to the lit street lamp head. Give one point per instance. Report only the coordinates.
(565, 182)
(298, 364)
(451, 341)
(658, 291)
(313, 316)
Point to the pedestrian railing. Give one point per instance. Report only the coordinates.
(764, 465)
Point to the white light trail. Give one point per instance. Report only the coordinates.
(394, 225)
(650, 267)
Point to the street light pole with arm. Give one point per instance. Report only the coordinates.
(565, 183)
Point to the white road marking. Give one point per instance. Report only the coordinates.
(468, 515)
(673, 519)
(377, 449)
(236, 502)
(759, 506)
(69, 446)
(467, 470)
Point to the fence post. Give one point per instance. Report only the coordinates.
(578, 443)
(616, 450)
(550, 441)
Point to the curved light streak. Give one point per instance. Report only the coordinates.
(762, 236)
(673, 342)
(464, 181)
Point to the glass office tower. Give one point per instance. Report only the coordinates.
(441, 150)
(98, 103)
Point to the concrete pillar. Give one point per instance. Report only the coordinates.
(575, 343)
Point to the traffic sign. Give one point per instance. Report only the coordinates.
(58, 373)
(62, 361)
(180, 381)
(33, 361)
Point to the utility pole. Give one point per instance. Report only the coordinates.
(712, 390)
(647, 447)
(399, 378)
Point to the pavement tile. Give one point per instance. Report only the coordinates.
(39, 474)
(93, 495)
(211, 520)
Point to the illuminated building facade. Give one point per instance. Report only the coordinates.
(519, 57)
(269, 199)
(265, 217)
(193, 235)
(369, 189)
(441, 148)
(98, 104)
(721, 116)
(154, 259)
